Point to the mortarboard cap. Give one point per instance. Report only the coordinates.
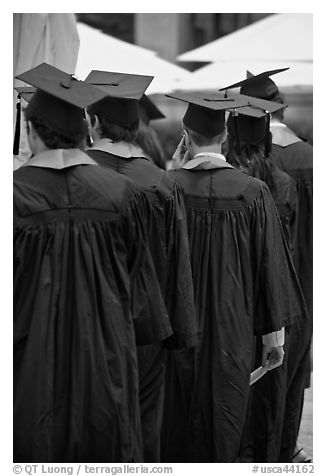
(148, 110)
(123, 92)
(252, 124)
(259, 86)
(206, 112)
(26, 92)
(59, 99)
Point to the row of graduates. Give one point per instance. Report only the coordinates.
(143, 299)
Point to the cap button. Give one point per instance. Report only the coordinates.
(66, 84)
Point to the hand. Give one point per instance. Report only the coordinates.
(180, 155)
(272, 356)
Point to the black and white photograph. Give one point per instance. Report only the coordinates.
(162, 242)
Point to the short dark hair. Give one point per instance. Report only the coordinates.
(279, 97)
(201, 140)
(55, 140)
(113, 131)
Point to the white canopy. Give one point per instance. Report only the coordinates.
(282, 37)
(100, 51)
(220, 74)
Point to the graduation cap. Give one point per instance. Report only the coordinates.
(259, 86)
(25, 92)
(206, 112)
(59, 98)
(123, 92)
(251, 122)
(148, 110)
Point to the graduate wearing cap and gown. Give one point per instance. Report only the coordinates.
(249, 148)
(268, 396)
(147, 137)
(79, 239)
(114, 124)
(293, 156)
(244, 285)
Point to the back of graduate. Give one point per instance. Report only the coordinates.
(288, 172)
(79, 239)
(244, 285)
(114, 127)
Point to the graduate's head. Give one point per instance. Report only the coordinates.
(261, 86)
(249, 126)
(197, 140)
(117, 115)
(204, 121)
(114, 118)
(55, 113)
(52, 136)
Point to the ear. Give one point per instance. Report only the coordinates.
(94, 121)
(187, 138)
(31, 131)
(225, 135)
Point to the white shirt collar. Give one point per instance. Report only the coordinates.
(207, 161)
(282, 135)
(121, 149)
(59, 159)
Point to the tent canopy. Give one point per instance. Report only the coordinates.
(100, 51)
(282, 37)
(220, 74)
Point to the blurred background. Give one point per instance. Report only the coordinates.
(183, 51)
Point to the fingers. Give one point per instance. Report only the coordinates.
(272, 357)
(179, 154)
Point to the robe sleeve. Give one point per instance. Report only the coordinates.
(179, 295)
(150, 317)
(285, 198)
(278, 299)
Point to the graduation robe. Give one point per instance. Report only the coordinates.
(267, 402)
(295, 157)
(170, 252)
(244, 285)
(78, 237)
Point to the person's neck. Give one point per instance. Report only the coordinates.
(215, 148)
(276, 120)
(39, 148)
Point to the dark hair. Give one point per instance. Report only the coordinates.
(201, 140)
(251, 161)
(113, 131)
(55, 140)
(149, 142)
(279, 97)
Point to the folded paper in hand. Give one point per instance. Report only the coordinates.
(257, 374)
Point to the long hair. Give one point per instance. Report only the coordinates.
(251, 160)
(149, 142)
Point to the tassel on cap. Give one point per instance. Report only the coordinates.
(267, 137)
(17, 126)
(235, 116)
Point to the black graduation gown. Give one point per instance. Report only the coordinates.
(170, 252)
(78, 237)
(296, 158)
(244, 284)
(267, 403)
